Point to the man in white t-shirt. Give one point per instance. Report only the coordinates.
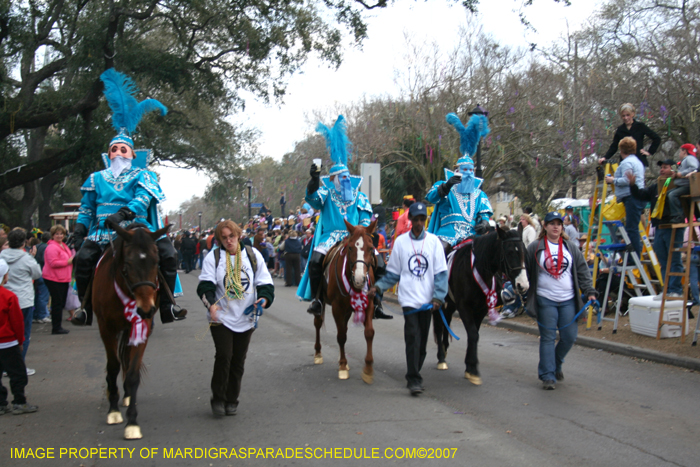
(417, 262)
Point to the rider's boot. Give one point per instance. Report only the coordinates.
(85, 262)
(167, 255)
(315, 276)
(378, 274)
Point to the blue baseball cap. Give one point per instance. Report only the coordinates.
(553, 216)
(418, 209)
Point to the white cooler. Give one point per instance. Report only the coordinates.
(644, 316)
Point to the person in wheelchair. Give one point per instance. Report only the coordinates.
(125, 191)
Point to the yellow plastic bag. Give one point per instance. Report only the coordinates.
(659, 207)
(613, 211)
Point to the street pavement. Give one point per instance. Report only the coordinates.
(610, 410)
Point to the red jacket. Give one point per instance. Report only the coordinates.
(11, 318)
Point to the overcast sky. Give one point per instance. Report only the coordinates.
(372, 70)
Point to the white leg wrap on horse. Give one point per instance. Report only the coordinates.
(114, 418)
(442, 366)
(475, 380)
(343, 374)
(132, 432)
(318, 359)
(125, 401)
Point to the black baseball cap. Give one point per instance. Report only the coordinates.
(418, 209)
(552, 216)
(666, 162)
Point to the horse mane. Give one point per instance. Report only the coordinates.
(485, 248)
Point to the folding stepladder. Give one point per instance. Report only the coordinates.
(688, 250)
(627, 271)
(597, 227)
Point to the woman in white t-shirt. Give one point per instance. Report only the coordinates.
(557, 271)
(228, 285)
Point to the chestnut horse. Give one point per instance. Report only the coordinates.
(349, 265)
(126, 278)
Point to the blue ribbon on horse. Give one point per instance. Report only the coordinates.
(257, 310)
(593, 303)
(429, 306)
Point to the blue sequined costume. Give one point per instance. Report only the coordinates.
(456, 215)
(331, 226)
(104, 194)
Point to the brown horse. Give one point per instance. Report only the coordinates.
(128, 268)
(351, 262)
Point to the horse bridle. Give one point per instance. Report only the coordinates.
(508, 270)
(352, 265)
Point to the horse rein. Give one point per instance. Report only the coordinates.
(508, 270)
(341, 254)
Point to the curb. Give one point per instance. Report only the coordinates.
(614, 347)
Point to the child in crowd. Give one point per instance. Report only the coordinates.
(689, 165)
(11, 340)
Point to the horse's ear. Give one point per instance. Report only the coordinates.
(159, 233)
(125, 234)
(502, 234)
(370, 228)
(349, 226)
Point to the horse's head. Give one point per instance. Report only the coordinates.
(360, 253)
(512, 262)
(136, 261)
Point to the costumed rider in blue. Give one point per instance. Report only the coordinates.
(461, 210)
(337, 199)
(123, 193)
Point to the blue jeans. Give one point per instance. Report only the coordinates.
(662, 243)
(41, 299)
(633, 209)
(693, 278)
(28, 316)
(551, 315)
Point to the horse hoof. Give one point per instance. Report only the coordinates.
(474, 379)
(125, 401)
(442, 366)
(369, 379)
(132, 432)
(318, 359)
(343, 374)
(114, 418)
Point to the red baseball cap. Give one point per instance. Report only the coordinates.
(692, 150)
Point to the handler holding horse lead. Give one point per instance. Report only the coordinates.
(338, 200)
(125, 191)
(230, 283)
(418, 264)
(465, 210)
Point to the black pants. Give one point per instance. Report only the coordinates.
(11, 361)
(229, 363)
(188, 261)
(59, 293)
(292, 269)
(416, 328)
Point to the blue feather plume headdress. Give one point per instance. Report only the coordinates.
(127, 111)
(469, 136)
(338, 144)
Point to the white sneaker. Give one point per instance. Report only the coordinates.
(30, 371)
(657, 298)
(45, 320)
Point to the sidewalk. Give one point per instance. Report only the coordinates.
(601, 344)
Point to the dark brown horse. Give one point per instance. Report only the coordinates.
(351, 262)
(495, 254)
(126, 276)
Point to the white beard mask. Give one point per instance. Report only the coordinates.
(118, 165)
